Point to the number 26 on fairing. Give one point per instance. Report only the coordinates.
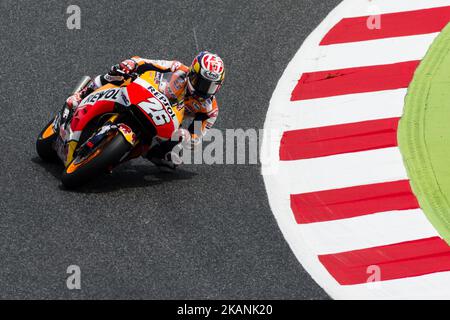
(156, 111)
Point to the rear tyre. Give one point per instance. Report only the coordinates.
(108, 153)
(44, 143)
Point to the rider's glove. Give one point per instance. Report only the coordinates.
(126, 66)
(74, 100)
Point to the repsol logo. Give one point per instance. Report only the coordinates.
(110, 94)
(158, 95)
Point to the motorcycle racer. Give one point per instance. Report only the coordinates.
(192, 88)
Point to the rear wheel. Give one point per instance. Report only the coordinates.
(44, 143)
(108, 153)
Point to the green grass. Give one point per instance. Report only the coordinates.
(424, 134)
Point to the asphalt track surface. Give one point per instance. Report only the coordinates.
(206, 232)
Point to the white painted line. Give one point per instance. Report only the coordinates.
(340, 109)
(341, 171)
(367, 231)
(355, 54)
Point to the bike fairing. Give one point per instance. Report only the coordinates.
(107, 99)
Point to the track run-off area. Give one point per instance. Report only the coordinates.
(355, 216)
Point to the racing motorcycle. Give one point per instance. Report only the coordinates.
(112, 125)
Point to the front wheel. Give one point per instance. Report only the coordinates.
(44, 143)
(84, 168)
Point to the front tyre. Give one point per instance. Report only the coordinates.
(44, 143)
(108, 153)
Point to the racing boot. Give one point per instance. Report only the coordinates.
(165, 161)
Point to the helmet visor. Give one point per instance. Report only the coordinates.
(202, 86)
